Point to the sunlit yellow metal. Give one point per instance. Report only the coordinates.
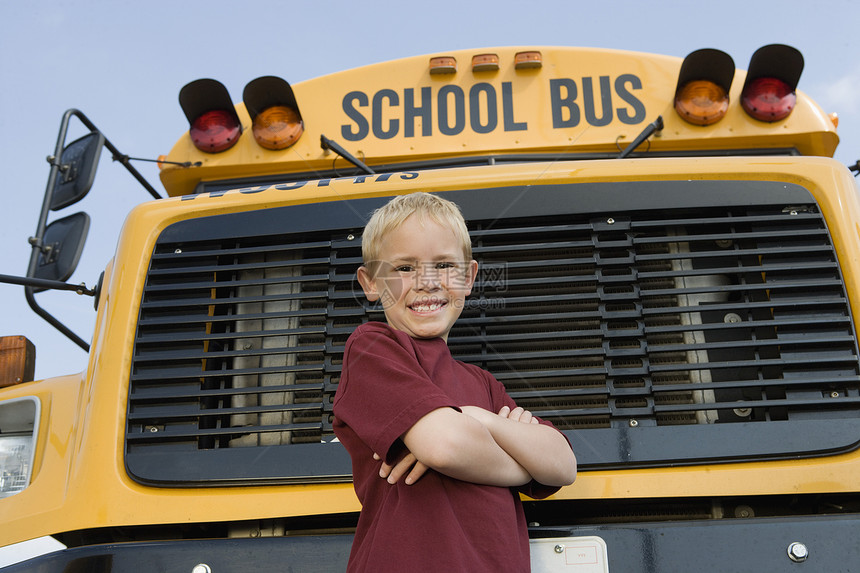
(547, 109)
(80, 481)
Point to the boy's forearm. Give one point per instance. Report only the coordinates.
(540, 449)
(461, 447)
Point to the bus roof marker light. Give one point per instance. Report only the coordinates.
(443, 65)
(271, 103)
(214, 124)
(702, 91)
(485, 63)
(769, 90)
(528, 60)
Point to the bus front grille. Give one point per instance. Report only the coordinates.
(707, 334)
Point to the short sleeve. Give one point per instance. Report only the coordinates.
(383, 389)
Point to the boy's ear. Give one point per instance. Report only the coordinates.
(368, 285)
(471, 275)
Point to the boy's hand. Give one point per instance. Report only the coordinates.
(407, 463)
(518, 415)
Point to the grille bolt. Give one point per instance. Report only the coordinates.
(350, 237)
(201, 568)
(633, 423)
(742, 412)
(559, 548)
(731, 317)
(610, 221)
(834, 394)
(744, 511)
(798, 552)
(793, 212)
(177, 252)
(724, 243)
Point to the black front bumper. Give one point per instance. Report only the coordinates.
(761, 545)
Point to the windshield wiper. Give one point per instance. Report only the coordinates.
(327, 143)
(649, 130)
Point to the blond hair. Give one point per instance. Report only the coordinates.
(391, 215)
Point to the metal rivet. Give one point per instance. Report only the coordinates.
(201, 568)
(350, 237)
(177, 252)
(732, 317)
(834, 394)
(798, 552)
(724, 243)
(793, 212)
(610, 221)
(633, 423)
(742, 412)
(744, 511)
(559, 549)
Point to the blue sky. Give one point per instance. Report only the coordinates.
(123, 63)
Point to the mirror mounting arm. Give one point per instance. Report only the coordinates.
(75, 178)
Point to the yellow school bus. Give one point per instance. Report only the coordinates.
(669, 265)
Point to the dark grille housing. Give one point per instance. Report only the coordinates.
(651, 336)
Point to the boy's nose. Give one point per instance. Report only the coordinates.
(428, 278)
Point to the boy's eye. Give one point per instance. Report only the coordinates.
(445, 265)
(404, 268)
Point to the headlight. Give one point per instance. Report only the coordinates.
(19, 420)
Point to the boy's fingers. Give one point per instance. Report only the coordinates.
(504, 412)
(418, 470)
(400, 468)
(384, 470)
(516, 414)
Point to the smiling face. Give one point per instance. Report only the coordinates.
(420, 277)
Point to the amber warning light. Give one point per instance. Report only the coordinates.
(704, 81)
(277, 123)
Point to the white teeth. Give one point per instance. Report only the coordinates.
(427, 307)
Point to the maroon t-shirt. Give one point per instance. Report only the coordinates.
(389, 382)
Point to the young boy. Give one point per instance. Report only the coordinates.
(439, 450)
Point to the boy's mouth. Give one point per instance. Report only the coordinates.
(427, 306)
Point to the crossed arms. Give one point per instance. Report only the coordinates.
(508, 448)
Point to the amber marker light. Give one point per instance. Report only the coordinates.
(702, 102)
(443, 65)
(526, 60)
(485, 63)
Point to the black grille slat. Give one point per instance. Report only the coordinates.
(672, 317)
(176, 374)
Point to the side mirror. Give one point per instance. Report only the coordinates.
(77, 170)
(63, 244)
